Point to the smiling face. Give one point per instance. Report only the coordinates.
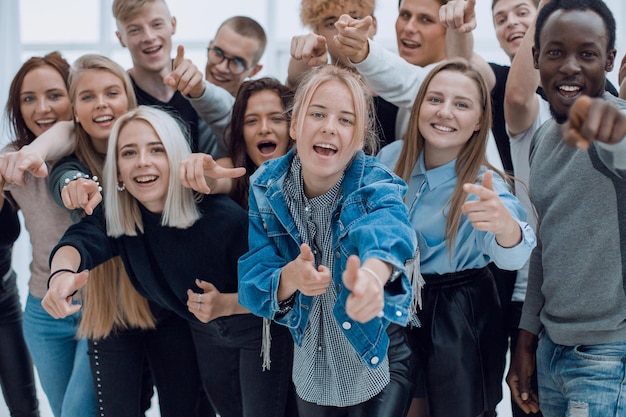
(265, 128)
(573, 58)
(511, 19)
(100, 100)
(148, 37)
(236, 47)
(421, 38)
(448, 116)
(44, 99)
(326, 140)
(143, 165)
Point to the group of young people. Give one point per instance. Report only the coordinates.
(335, 246)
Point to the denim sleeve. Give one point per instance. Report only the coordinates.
(259, 271)
(385, 233)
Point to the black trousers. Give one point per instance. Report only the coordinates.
(230, 362)
(126, 364)
(16, 367)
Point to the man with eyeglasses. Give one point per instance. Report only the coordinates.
(235, 53)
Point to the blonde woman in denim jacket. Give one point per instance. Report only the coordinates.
(329, 237)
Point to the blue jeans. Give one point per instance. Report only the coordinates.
(16, 368)
(61, 361)
(581, 381)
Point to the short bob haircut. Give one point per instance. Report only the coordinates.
(122, 211)
(364, 130)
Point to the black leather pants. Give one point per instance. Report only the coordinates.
(16, 367)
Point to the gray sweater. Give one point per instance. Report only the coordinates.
(577, 279)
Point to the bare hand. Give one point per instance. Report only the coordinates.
(353, 35)
(310, 47)
(81, 193)
(13, 165)
(58, 299)
(185, 76)
(459, 15)
(199, 172)
(521, 371)
(300, 274)
(366, 300)
(593, 119)
(488, 214)
(206, 305)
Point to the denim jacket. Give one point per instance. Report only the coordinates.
(370, 221)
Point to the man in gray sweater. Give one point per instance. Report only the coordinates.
(574, 318)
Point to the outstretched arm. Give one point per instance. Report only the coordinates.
(306, 51)
(63, 283)
(521, 104)
(459, 17)
(204, 175)
(55, 143)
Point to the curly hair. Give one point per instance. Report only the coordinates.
(313, 12)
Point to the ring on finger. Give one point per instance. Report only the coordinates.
(199, 298)
(199, 306)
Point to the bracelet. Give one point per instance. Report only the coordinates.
(80, 175)
(57, 272)
(376, 277)
(286, 305)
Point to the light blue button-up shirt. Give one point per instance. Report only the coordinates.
(427, 200)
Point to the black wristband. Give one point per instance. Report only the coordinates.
(286, 305)
(56, 272)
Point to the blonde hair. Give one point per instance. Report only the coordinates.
(361, 98)
(122, 211)
(127, 9)
(110, 299)
(85, 150)
(471, 157)
(112, 302)
(313, 12)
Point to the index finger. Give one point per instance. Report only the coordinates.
(478, 190)
(180, 56)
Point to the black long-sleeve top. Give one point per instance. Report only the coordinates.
(163, 262)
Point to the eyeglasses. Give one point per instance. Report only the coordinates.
(235, 65)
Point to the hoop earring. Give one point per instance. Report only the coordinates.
(121, 187)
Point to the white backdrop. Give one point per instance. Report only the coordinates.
(34, 27)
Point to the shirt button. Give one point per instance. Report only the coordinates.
(374, 360)
(399, 313)
(319, 348)
(346, 325)
(337, 255)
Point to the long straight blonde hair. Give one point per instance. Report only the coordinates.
(472, 155)
(110, 300)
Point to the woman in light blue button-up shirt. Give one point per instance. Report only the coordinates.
(465, 216)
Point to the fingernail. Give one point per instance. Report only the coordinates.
(524, 396)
